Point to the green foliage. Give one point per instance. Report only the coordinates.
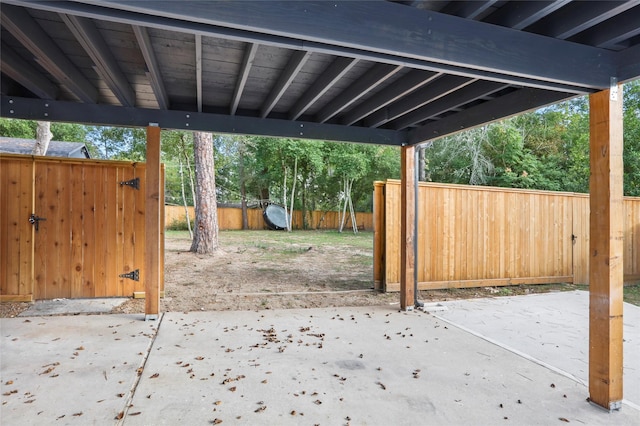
(546, 149)
(26, 129)
(119, 143)
(631, 153)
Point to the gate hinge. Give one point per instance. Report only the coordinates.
(133, 275)
(134, 183)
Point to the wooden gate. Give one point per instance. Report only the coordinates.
(70, 228)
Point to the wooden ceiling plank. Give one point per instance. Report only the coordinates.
(407, 84)
(26, 74)
(334, 72)
(295, 64)
(375, 76)
(429, 93)
(476, 90)
(106, 64)
(153, 74)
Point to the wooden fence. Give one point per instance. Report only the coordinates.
(91, 233)
(471, 236)
(230, 218)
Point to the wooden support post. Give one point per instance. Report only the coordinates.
(152, 224)
(606, 249)
(407, 217)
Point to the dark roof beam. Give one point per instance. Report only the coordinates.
(441, 87)
(502, 107)
(26, 74)
(375, 76)
(629, 64)
(470, 93)
(334, 72)
(295, 64)
(468, 9)
(438, 42)
(243, 75)
(102, 114)
(27, 31)
(153, 73)
(612, 31)
(520, 14)
(575, 18)
(106, 64)
(405, 85)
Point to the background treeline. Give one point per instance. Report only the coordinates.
(547, 149)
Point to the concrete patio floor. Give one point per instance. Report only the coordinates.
(479, 362)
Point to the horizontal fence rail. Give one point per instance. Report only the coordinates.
(230, 218)
(471, 236)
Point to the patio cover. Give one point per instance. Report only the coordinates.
(367, 71)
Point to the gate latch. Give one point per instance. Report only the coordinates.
(134, 183)
(133, 275)
(34, 220)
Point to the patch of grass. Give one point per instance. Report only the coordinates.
(176, 234)
(631, 294)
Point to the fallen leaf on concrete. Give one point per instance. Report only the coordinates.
(562, 419)
(216, 421)
(153, 376)
(120, 415)
(137, 413)
(78, 414)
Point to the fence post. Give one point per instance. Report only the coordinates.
(378, 235)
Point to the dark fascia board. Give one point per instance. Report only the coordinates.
(99, 114)
(629, 64)
(509, 105)
(392, 33)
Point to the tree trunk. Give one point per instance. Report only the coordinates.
(205, 240)
(43, 137)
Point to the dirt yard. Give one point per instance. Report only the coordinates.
(269, 270)
(277, 270)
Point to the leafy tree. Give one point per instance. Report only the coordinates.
(119, 143)
(26, 129)
(631, 154)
